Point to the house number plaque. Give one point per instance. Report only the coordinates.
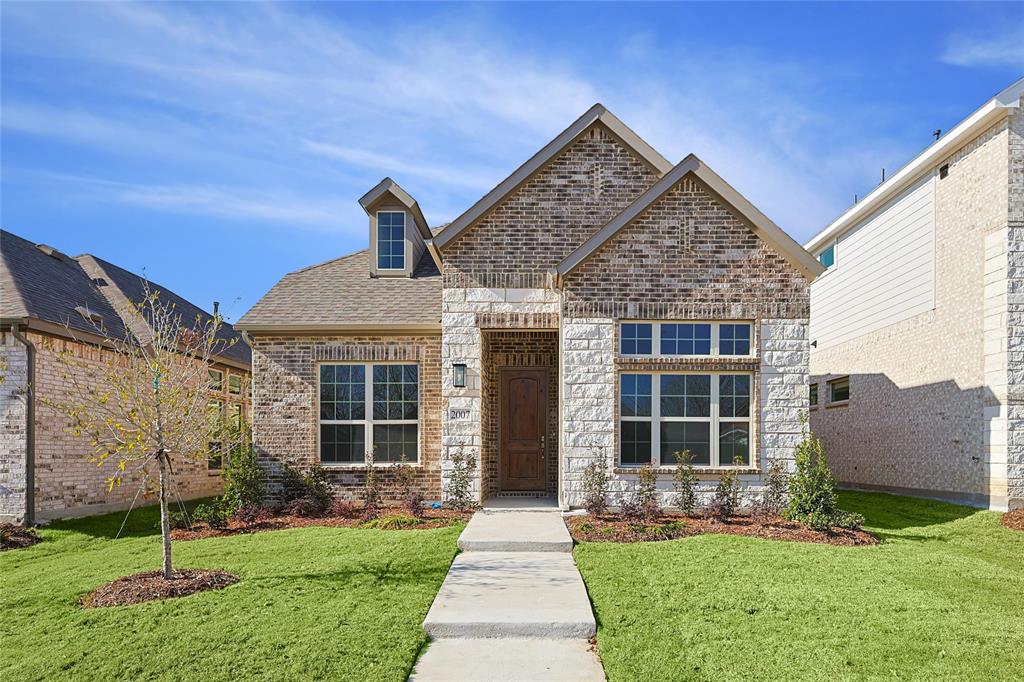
(459, 414)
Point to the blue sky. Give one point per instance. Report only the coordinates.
(217, 147)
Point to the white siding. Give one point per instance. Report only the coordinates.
(884, 270)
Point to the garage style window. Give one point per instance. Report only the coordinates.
(673, 339)
(368, 408)
(662, 414)
(390, 240)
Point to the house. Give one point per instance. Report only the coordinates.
(917, 326)
(52, 303)
(600, 304)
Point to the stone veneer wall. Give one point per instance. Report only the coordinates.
(285, 404)
(13, 436)
(508, 349)
(66, 482)
(929, 405)
(462, 313)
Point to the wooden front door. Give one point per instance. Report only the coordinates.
(524, 409)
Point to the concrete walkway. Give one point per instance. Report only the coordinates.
(513, 606)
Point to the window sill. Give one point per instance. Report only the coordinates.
(359, 466)
(699, 471)
(845, 403)
(723, 362)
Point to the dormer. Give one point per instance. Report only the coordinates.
(398, 231)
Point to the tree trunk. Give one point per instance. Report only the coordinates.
(165, 519)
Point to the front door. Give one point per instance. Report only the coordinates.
(524, 407)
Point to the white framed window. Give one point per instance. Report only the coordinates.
(216, 382)
(235, 384)
(686, 339)
(813, 395)
(839, 390)
(214, 446)
(827, 256)
(368, 408)
(390, 240)
(662, 413)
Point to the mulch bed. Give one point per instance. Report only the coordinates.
(434, 518)
(16, 537)
(673, 526)
(1014, 519)
(148, 586)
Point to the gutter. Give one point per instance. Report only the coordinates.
(30, 427)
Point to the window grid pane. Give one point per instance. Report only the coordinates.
(692, 436)
(734, 339)
(391, 240)
(685, 339)
(635, 395)
(734, 444)
(636, 442)
(395, 392)
(392, 441)
(733, 395)
(342, 443)
(637, 339)
(342, 392)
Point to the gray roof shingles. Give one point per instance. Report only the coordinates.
(49, 288)
(341, 293)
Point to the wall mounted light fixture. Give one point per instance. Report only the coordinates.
(459, 375)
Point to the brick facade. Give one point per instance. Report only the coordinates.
(935, 398)
(66, 482)
(285, 404)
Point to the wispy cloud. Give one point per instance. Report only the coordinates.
(1002, 49)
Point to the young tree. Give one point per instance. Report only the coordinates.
(141, 401)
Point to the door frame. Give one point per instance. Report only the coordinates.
(546, 416)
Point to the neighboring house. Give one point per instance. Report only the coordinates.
(49, 303)
(917, 327)
(598, 305)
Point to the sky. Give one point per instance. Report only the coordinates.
(216, 147)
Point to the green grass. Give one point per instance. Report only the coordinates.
(330, 603)
(941, 598)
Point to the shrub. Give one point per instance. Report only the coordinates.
(776, 485)
(645, 492)
(343, 508)
(245, 482)
(371, 491)
(684, 482)
(585, 527)
(253, 513)
(458, 490)
(304, 506)
(213, 515)
(595, 488)
(812, 498)
(179, 520)
(412, 496)
(313, 486)
(726, 500)
(630, 509)
(394, 522)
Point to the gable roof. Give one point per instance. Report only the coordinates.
(596, 113)
(764, 228)
(983, 118)
(341, 295)
(40, 284)
(386, 187)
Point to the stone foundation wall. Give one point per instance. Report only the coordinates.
(285, 404)
(13, 432)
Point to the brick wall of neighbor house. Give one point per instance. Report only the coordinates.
(285, 403)
(66, 482)
(555, 211)
(13, 433)
(512, 348)
(686, 257)
(928, 409)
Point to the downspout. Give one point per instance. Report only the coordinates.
(30, 427)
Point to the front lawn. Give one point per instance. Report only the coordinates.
(942, 597)
(329, 603)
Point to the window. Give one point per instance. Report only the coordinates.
(234, 384)
(390, 240)
(814, 395)
(369, 408)
(828, 256)
(685, 339)
(636, 339)
(662, 414)
(669, 339)
(734, 339)
(216, 380)
(214, 445)
(839, 390)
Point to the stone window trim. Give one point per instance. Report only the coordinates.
(752, 420)
(723, 365)
(716, 328)
(699, 472)
(368, 422)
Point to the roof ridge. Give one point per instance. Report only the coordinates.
(328, 262)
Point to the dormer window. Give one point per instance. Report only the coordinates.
(390, 240)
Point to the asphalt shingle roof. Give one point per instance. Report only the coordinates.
(342, 292)
(51, 287)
